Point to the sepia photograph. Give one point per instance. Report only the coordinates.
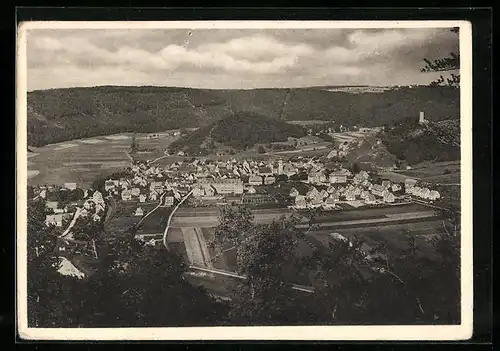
(244, 180)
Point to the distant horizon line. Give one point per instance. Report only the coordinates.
(203, 88)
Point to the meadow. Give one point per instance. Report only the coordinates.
(395, 237)
(82, 161)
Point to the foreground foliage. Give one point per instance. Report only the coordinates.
(136, 286)
(140, 286)
(351, 286)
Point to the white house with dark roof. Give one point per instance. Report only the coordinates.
(265, 171)
(335, 196)
(434, 195)
(255, 180)
(251, 190)
(313, 192)
(139, 212)
(300, 201)
(329, 203)
(409, 183)
(332, 154)
(135, 191)
(317, 176)
(378, 190)
(126, 195)
(350, 196)
(168, 201)
(269, 180)
(370, 199)
(54, 219)
(389, 197)
(88, 204)
(70, 186)
(337, 178)
(396, 187)
(316, 202)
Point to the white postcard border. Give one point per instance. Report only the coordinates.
(400, 332)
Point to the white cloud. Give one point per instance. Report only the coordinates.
(232, 59)
(213, 58)
(48, 43)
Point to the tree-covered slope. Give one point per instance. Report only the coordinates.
(414, 143)
(63, 114)
(239, 131)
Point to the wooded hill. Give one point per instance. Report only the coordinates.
(63, 114)
(239, 131)
(414, 143)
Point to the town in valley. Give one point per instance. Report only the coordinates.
(243, 207)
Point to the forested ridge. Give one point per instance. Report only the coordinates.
(239, 131)
(414, 143)
(57, 115)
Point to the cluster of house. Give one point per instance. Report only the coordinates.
(340, 186)
(92, 206)
(424, 193)
(214, 182)
(146, 184)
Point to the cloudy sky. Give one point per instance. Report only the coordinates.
(233, 58)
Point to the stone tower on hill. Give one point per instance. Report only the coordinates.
(421, 118)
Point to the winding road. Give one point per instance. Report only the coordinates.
(162, 196)
(72, 223)
(165, 233)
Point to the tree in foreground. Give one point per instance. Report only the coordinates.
(142, 286)
(352, 285)
(136, 286)
(49, 304)
(449, 64)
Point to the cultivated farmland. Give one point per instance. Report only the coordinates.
(82, 161)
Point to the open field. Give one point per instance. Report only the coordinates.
(175, 235)
(81, 161)
(395, 236)
(396, 177)
(436, 172)
(225, 261)
(432, 173)
(207, 217)
(156, 221)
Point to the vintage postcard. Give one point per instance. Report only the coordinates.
(244, 180)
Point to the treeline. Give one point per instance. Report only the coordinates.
(63, 114)
(413, 143)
